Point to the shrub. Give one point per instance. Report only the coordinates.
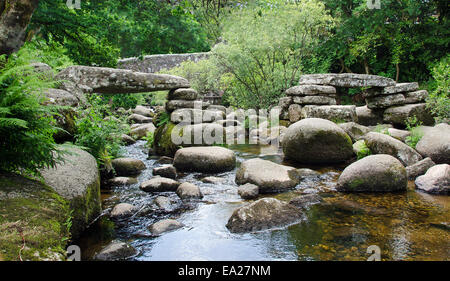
(100, 136)
(150, 137)
(439, 101)
(26, 130)
(413, 126)
(126, 101)
(267, 46)
(203, 75)
(51, 53)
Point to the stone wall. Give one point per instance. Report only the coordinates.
(155, 63)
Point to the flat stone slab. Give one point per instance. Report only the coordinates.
(172, 105)
(183, 94)
(106, 80)
(347, 80)
(399, 114)
(319, 100)
(310, 90)
(192, 115)
(398, 88)
(385, 101)
(335, 113)
(416, 97)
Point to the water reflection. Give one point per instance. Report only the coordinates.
(406, 226)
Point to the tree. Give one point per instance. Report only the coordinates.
(268, 45)
(102, 31)
(399, 40)
(15, 16)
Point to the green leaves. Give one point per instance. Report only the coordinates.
(26, 130)
(268, 47)
(102, 31)
(100, 136)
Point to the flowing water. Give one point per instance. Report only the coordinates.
(405, 226)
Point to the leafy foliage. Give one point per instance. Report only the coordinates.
(398, 41)
(439, 99)
(99, 135)
(26, 130)
(150, 139)
(203, 75)
(363, 150)
(101, 31)
(413, 126)
(268, 45)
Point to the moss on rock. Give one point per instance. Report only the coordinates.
(34, 211)
(163, 144)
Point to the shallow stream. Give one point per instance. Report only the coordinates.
(405, 226)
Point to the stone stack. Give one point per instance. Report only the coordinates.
(387, 102)
(196, 116)
(184, 106)
(395, 104)
(305, 95)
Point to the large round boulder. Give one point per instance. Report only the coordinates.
(436, 143)
(268, 176)
(163, 226)
(77, 179)
(317, 141)
(208, 159)
(189, 190)
(163, 143)
(374, 173)
(263, 214)
(127, 166)
(383, 144)
(159, 184)
(436, 180)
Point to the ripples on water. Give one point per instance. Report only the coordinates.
(406, 226)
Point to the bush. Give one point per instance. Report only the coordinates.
(51, 53)
(26, 130)
(204, 76)
(439, 101)
(126, 101)
(413, 126)
(150, 137)
(100, 136)
(267, 46)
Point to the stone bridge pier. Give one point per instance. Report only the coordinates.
(386, 101)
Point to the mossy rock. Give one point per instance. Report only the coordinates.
(66, 122)
(375, 173)
(78, 181)
(162, 143)
(35, 211)
(317, 141)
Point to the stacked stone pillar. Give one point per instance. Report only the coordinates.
(387, 101)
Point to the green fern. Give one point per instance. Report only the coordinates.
(26, 126)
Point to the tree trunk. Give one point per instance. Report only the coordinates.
(15, 15)
(397, 67)
(366, 66)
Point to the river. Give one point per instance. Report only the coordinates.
(405, 226)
